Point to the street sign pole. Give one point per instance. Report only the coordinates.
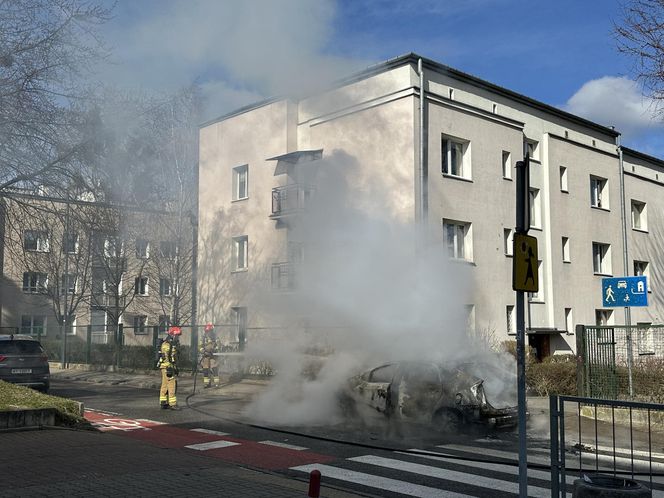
(522, 223)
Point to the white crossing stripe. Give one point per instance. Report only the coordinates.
(378, 482)
(210, 431)
(451, 475)
(492, 452)
(496, 467)
(626, 452)
(211, 445)
(284, 445)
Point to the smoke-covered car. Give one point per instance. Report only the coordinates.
(427, 392)
(23, 361)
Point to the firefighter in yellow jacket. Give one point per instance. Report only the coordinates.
(207, 348)
(168, 360)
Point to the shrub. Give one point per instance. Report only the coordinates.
(552, 377)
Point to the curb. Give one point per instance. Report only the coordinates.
(37, 417)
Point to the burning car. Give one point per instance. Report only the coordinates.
(427, 392)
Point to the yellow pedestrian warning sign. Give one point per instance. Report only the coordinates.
(524, 264)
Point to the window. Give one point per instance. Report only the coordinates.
(71, 326)
(569, 321)
(531, 149)
(599, 193)
(508, 240)
(455, 157)
(566, 257)
(639, 218)
(165, 287)
(142, 249)
(98, 321)
(603, 318)
(535, 209)
(538, 296)
(563, 179)
(112, 247)
(164, 321)
(141, 286)
(33, 324)
(140, 324)
(241, 182)
(34, 282)
(70, 243)
(35, 240)
(168, 249)
(240, 252)
(601, 258)
(645, 339)
(510, 319)
(68, 284)
(458, 239)
(507, 165)
(642, 269)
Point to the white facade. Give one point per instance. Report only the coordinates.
(474, 133)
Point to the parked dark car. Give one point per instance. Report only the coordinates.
(23, 361)
(427, 392)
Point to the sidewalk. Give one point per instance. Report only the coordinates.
(62, 462)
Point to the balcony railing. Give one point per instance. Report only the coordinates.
(283, 276)
(290, 199)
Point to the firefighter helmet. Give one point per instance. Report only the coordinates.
(209, 327)
(174, 331)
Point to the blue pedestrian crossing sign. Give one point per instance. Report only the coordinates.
(624, 292)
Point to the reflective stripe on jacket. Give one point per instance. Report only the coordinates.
(169, 354)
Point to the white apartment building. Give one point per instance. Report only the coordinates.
(443, 144)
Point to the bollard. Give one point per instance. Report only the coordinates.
(314, 484)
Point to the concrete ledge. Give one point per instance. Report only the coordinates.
(20, 417)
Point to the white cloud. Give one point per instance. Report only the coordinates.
(615, 101)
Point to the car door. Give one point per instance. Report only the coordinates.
(375, 389)
(418, 390)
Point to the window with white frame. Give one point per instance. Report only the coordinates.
(458, 239)
(140, 324)
(508, 241)
(563, 179)
(569, 320)
(98, 321)
(599, 192)
(33, 324)
(603, 318)
(531, 149)
(112, 247)
(165, 287)
(639, 215)
(642, 269)
(35, 240)
(142, 248)
(601, 258)
(71, 326)
(240, 252)
(241, 182)
(70, 243)
(68, 283)
(141, 286)
(566, 256)
(168, 249)
(538, 296)
(645, 339)
(507, 165)
(510, 319)
(164, 322)
(35, 282)
(455, 157)
(535, 208)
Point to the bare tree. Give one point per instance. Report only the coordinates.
(46, 47)
(641, 36)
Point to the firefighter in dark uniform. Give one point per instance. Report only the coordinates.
(168, 364)
(208, 347)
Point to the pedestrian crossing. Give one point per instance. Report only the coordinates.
(452, 470)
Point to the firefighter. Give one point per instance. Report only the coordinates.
(168, 358)
(208, 347)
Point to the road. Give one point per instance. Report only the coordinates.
(372, 460)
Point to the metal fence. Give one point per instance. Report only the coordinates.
(621, 362)
(623, 439)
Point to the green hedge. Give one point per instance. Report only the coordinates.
(555, 375)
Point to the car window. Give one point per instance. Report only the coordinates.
(422, 374)
(20, 347)
(383, 374)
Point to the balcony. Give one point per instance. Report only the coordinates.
(290, 199)
(283, 276)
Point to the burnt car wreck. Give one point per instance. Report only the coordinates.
(427, 392)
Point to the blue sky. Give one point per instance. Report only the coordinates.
(561, 52)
